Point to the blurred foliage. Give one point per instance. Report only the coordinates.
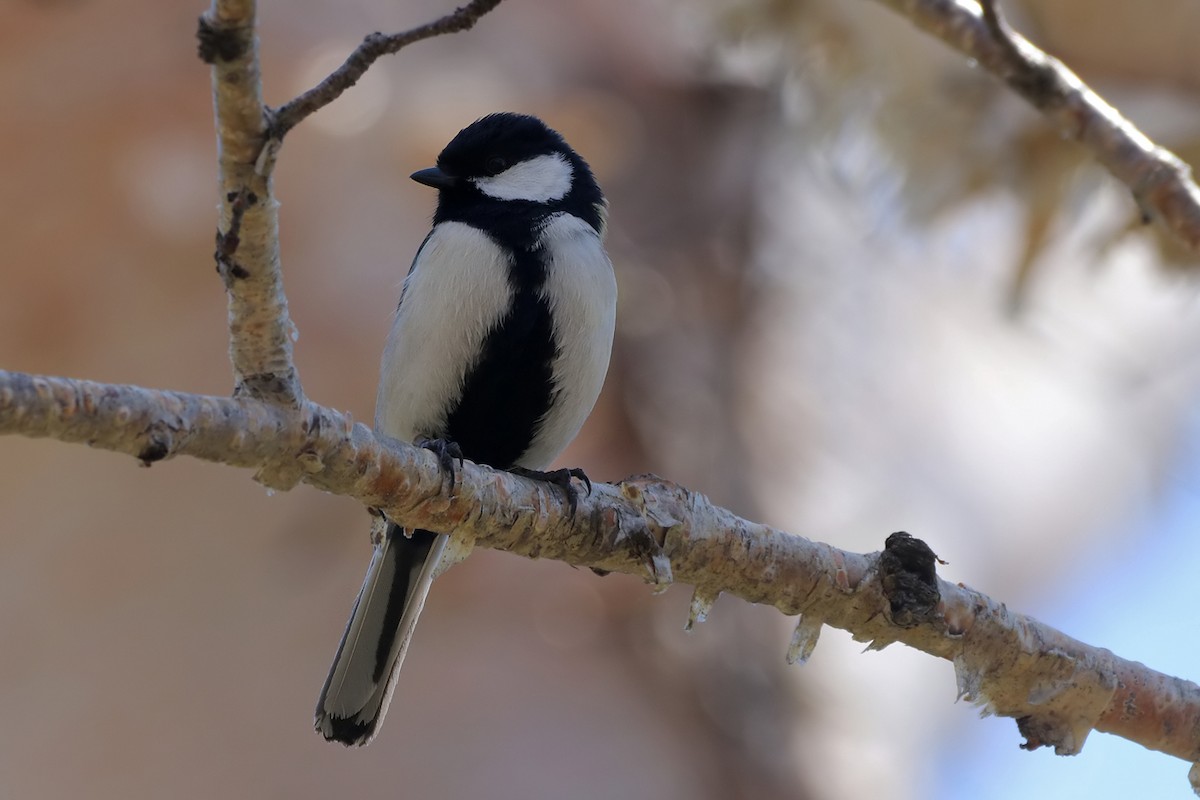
(956, 132)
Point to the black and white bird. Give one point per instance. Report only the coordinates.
(497, 353)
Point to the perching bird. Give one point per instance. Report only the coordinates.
(497, 354)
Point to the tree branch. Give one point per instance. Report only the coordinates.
(1161, 182)
(248, 137)
(247, 250)
(372, 48)
(1057, 688)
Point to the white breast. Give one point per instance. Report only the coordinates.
(456, 292)
(582, 292)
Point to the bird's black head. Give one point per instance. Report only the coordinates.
(510, 169)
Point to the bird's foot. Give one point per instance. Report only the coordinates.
(447, 452)
(560, 478)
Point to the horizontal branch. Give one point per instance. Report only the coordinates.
(367, 53)
(1057, 688)
(1161, 182)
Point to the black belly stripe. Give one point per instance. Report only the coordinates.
(508, 391)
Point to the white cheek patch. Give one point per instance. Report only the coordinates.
(537, 180)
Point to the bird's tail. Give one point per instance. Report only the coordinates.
(360, 683)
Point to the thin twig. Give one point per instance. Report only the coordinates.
(375, 45)
(1160, 181)
(1001, 32)
(1056, 687)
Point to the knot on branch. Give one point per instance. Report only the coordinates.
(1070, 697)
(645, 535)
(318, 437)
(159, 440)
(281, 387)
(908, 572)
(1055, 688)
(229, 240)
(221, 42)
(1049, 731)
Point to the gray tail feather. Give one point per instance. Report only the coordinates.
(360, 683)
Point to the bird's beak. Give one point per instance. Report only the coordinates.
(435, 177)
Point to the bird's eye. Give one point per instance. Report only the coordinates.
(496, 164)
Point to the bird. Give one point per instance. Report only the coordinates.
(497, 353)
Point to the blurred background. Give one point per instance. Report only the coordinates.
(863, 289)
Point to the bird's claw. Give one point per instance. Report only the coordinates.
(447, 452)
(560, 478)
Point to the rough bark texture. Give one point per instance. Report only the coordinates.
(1057, 688)
(247, 246)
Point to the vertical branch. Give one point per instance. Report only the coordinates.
(247, 251)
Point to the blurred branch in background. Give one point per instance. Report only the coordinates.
(1160, 181)
(374, 46)
(904, 202)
